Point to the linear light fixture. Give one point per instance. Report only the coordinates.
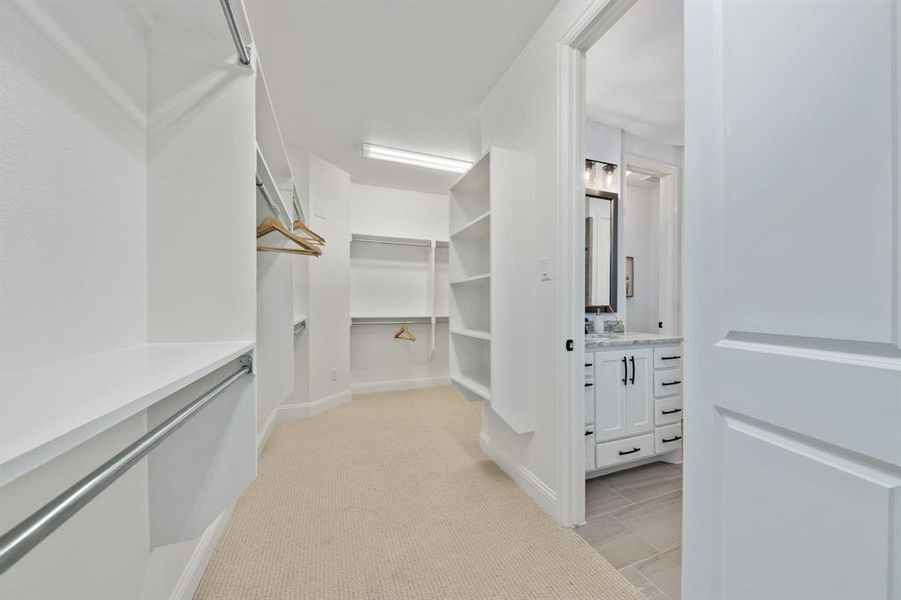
(416, 159)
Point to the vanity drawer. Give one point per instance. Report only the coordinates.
(589, 448)
(668, 357)
(668, 411)
(668, 382)
(668, 438)
(621, 451)
(589, 403)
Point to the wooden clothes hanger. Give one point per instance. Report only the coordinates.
(405, 334)
(271, 224)
(315, 238)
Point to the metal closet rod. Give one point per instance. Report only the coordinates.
(272, 207)
(392, 242)
(243, 51)
(18, 541)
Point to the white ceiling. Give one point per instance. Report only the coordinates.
(635, 73)
(406, 74)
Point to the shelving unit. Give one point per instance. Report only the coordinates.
(490, 307)
(146, 295)
(397, 281)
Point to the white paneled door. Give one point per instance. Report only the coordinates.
(793, 300)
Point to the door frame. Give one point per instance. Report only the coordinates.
(597, 18)
(668, 238)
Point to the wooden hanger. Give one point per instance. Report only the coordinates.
(405, 334)
(271, 224)
(315, 238)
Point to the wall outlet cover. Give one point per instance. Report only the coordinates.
(334, 374)
(544, 267)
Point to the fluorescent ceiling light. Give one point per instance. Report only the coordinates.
(416, 159)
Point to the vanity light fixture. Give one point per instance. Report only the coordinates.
(415, 159)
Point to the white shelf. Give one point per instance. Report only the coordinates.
(474, 278)
(472, 333)
(479, 389)
(48, 410)
(478, 227)
(396, 241)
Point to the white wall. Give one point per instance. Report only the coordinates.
(401, 213)
(327, 203)
(640, 205)
(72, 149)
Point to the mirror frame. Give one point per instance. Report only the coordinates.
(614, 254)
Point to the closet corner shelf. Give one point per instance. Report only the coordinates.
(45, 411)
(472, 333)
(472, 386)
(387, 239)
(473, 279)
(478, 227)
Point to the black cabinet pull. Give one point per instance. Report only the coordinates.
(587, 433)
(625, 371)
(632, 451)
(632, 360)
(589, 365)
(670, 357)
(589, 384)
(670, 412)
(667, 441)
(676, 382)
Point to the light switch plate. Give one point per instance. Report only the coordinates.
(544, 267)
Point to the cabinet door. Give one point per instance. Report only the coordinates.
(610, 415)
(639, 397)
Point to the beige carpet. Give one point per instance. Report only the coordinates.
(389, 497)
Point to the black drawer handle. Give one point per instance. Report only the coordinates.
(625, 371)
(632, 451)
(589, 365)
(587, 433)
(632, 360)
(670, 357)
(677, 382)
(672, 439)
(589, 384)
(670, 412)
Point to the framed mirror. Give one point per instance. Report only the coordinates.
(601, 206)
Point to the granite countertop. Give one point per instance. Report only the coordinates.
(594, 341)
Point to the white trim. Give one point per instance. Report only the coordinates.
(588, 28)
(266, 430)
(527, 481)
(190, 577)
(398, 384)
(313, 407)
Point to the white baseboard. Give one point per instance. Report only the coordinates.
(200, 558)
(314, 407)
(266, 430)
(398, 384)
(527, 481)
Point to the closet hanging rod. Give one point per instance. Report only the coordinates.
(272, 207)
(243, 50)
(396, 321)
(18, 541)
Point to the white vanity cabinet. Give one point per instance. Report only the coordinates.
(633, 404)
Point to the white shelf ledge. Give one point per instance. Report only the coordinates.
(48, 410)
(473, 279)
(478, 227)
(472, 386)
(472, 333)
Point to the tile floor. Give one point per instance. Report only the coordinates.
(634, 519)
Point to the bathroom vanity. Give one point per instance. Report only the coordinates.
(633, 400)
